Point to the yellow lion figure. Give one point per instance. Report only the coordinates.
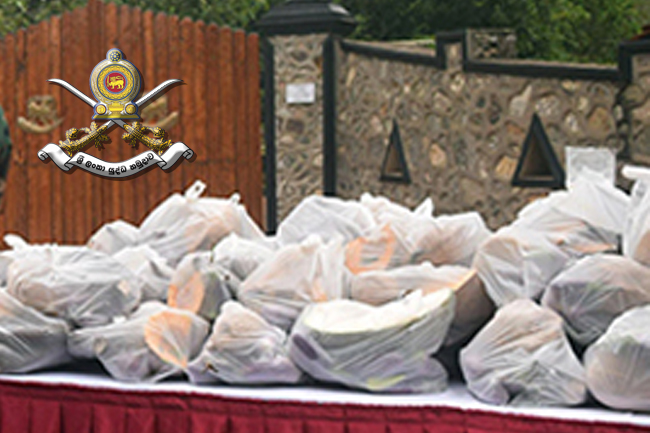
(114, 82)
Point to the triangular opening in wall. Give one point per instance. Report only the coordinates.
(394, 168)
(538, 165)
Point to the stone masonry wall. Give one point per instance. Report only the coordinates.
(299, 128)
(636, 99)
(463, 132)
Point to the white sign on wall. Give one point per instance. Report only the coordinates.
(303, 93)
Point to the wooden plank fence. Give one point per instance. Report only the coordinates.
(216, 113)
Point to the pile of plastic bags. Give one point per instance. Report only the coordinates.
(366, 294)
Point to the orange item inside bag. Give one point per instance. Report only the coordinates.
(374, 252)
(154, 343)
(167, 334)
(296, 276)
(200, 285)
(189, 296)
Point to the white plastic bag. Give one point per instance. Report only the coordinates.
(598, 160)
(383, 286)
(296, 276)
(113, 237)
(522, 357)
(29, 340)
(152, 269)
(383, 210)
(154, 343)
(417, 238)
(443, 240)
(327, 217)
(392, 242)
(379, 349)
(16, 243)
(244, 349)
(201, 286)
(84, 286)
(587, 219)
(381, 248)
(241, 256)
(636, 239)
(473, 306)
(187, 223)
(617, 364)
(518, 263)
(592, 293)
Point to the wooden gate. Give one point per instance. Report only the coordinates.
(216, 113)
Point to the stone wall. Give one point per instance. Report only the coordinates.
(636, 101)
(463, 132)
(464, 110)
(299, 128)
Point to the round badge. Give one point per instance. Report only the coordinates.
(115, 82)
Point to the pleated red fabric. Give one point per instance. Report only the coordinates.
(47, 408)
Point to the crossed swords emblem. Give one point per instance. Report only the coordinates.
(134, 133)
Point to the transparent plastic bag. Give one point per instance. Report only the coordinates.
(522, 358)
(241, 256)
(83, 286)
(297, 275)
(599, 160)
(150, 267)
(154, 343)
(587, 219)
(113, 237)
(327, 217)
(29, 340)
(443, 240)
(383, 286)
(384, 210)
(592, 293)
(244, 349)
(517, 263)
(201, 286)
(382, 248)
(187, 223)
(473, 306)
(16, 243)
(379, 349)
(636, 239)
(617, 363)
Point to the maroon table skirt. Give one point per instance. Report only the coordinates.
(48, 408)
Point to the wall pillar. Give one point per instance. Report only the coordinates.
(635, 100)
(300, 106)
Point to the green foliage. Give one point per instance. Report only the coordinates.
(566, 30)
(643, 6)
(15, 14)
(232, 13)
(408, 19)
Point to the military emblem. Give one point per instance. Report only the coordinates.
(115, 83)
(42, 116)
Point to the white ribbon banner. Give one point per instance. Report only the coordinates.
(115, 169)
